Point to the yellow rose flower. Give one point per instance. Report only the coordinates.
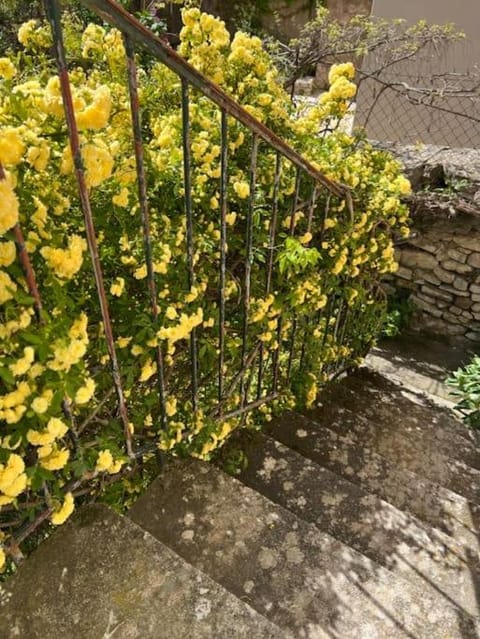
(7, 69)
(242, 189)
(59, 516)
(117, 287)
(85, 393)
(8, 205)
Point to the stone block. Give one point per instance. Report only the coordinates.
(474, 260)
(443, 275)
(424, 243)
(467, 242)
(442, 303)
(429, 277)
(457, 267)
(427, 307)
(404, 273)
(420, 259)
(436, 293)
(475, 298)
(454, 329)
(304, 86)
(455, 319)
(455, 291)
(473, 336)
(458, 255)
(476, 308)
(425, 298)
(475, 288)
(463, 302)
(455, 310)
(460, 283)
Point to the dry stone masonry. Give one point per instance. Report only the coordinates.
(440, 263)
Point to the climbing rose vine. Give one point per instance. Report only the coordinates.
(59, 425)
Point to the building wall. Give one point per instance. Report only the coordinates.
(395, 119)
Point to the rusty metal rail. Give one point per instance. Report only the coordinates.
(118, 17)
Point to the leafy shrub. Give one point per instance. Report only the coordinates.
(466, 381)
(399, 314)
(60, 422)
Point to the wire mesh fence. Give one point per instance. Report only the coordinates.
(433, 98)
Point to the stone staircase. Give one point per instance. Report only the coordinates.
(358, 519)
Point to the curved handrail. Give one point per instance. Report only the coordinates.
(117, 16)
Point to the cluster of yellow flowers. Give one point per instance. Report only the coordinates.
(183, 328)
(32, 34)
(66, 262)
(59, 516)
(13, 479)
(8, 205)
(106, 463)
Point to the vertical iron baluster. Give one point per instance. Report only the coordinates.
(304, 343)
(276, 356)
(248, 257)
(271, 255)
(189, 218)
(144, 211)
(291, 347)
(328, 314)
(325, 215)
(298, 178)
(25, 263)
(223, 251)
(53, 13)
(311, 207)
(273, 222)
(338, 318)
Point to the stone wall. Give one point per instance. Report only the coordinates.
(440, 263)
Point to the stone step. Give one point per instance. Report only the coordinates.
(401, 447)
(297, 576)
(437, 506)
(387, 404)
(420, 363)
(101, 576)
(434, 390)
(392, 538)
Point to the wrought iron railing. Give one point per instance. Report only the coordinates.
(312, 194)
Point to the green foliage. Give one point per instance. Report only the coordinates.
(295, 257)
(466, 382)
(398, 315)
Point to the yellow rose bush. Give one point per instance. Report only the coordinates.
(60, 426)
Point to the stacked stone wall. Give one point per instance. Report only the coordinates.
(440, 268)
(439, 265)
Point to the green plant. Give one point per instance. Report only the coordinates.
(466, 382)
(398, 314)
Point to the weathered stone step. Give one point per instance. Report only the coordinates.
(394, 539)
(345, 456)
(401, 447)
(420, 363)
(387, 404)
(296, 575)
(101, 576)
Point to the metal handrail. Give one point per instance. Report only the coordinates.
(118, 17)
